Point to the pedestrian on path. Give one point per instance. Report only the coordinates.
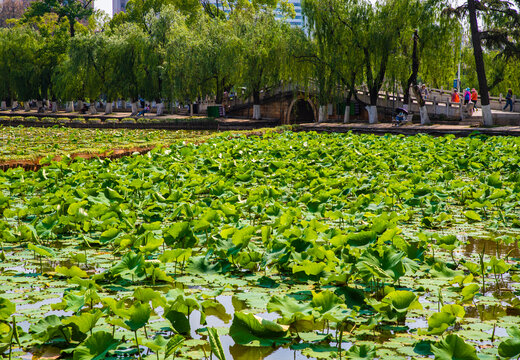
(474, 98)
(424, 92)
(509, 100)
(455, 98)
(467, 96)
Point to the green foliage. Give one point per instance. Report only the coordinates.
(453, 347)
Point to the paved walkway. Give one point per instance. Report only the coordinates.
(100, 114)
(410, 129)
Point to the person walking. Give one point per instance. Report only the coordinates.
(424, 92)
(509, 100)
(467, 96)
(455, 98)
(474, 98)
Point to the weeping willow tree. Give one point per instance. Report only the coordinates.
(425, 48)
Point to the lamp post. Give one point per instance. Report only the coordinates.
(459, 88)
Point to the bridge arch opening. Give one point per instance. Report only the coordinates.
(300, 111)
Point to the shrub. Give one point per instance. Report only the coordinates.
(31, 118)
(17, 118)
(112, 121)
(48, 119)
(78, 120)
(93, 121)
(128, 121)
(63, 120)
(4, 118)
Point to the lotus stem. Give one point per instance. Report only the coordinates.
(137, 344)
(340, 340)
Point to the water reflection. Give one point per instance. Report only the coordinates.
(475, 246)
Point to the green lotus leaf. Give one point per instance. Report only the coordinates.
(138, 314)
(70, 302)
(498, 266)
(247, 328)
(71, 272)
(175, 255)
(290, 309)
(361, 352)
(173, 344)
(85, 322)
(113, 195)
(439, 322)
(109, 235)
(361, 238)
(7, 308)
(96, 346)
(510, 347)
(49, 328)
(469, 292)
(179, 235)
(309, 267)
(396, 304)
(453, 348)
(472, 216)
(216, 345)
(242, 237)
(131, 265)
(146, 295)
(211, 307)
(454, 309)
(42, 250)
(201, 265)
(179, 321)
(157, 344)
(152, 244)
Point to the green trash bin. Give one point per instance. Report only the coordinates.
(213, 111)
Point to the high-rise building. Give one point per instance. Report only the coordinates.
(298, 19)
(118, 6)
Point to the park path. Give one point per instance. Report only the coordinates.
(410, 129)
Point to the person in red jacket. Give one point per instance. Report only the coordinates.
(455, 98)
(474, 98)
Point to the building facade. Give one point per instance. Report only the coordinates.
(298, 19)
(118, 6)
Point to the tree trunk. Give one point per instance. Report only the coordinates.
(14, 104)
(220, 91)
(92, 109)
(323, 112)
(54, 106)
(70, 107)
(423, 111)
(425, 118)
(3, 105)
(160, 109)
(256, 112)
(346, 118)
(191, 108)
(108, 107)
(479, 64)
(134, 108)
(71, 26)
(26, 106)
(372, 114)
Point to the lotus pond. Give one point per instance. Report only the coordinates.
(27, 143)
(277, 246)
